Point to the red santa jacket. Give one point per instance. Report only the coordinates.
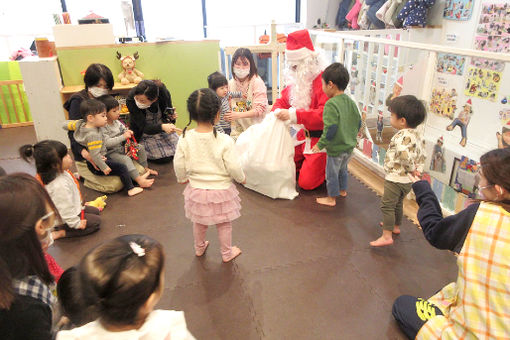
(312, 117)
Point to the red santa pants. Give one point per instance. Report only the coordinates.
(311, 167)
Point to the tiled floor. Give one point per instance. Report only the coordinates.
(306, 272)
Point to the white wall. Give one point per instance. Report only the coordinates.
(326, 10)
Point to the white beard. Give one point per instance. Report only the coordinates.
(301, 81)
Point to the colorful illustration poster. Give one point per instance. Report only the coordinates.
(482, 83)
(493, 30)
(450, 64)
(504, 116)
(465, 176)
(443, 102)
(458, 9)
(490, 64)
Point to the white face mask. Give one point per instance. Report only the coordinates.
(142, 106)
(241, 73)
(48, 240)
(97, 91)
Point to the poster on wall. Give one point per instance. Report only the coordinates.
(462, 121)
(482, 83)
(493, 30)
(437, 160)
(443, 102)
(450, 64)
(503, 137)
(488, 64)
(464, 177)
(458, 9)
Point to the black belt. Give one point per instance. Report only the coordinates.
(315, 133)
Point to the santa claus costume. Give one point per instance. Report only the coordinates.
(305, 100)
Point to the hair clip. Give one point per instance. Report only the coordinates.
(137, 249)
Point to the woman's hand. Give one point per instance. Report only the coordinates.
(169, 128)
(231, 116)
(85, 154)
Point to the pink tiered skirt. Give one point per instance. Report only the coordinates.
(210, 206)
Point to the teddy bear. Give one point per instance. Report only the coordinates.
(129, 74)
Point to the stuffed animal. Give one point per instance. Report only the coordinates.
(99, 202)
(130, 73)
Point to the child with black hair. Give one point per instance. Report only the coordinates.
(341, 124)
(116, 134)
(87, 132)
(120, 282)
(208, 161)
(404, 156)
(219, 84)
(52, 162)
(75, 312)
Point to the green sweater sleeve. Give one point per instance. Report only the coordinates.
(330, 119)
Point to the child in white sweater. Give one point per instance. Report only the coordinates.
(52, 162)
(119, 283)
(207, 161)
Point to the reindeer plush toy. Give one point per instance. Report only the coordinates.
(130, 73)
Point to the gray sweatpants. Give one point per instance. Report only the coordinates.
(128, 162)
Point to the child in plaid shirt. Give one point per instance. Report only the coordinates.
(404, 156)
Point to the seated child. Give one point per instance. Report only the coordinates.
(404, 156)
(116, 134)
(122, 280)
(341, 124)
(52, 162)
(88, 133)
(219, 84)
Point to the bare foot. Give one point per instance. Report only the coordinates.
(145, 175)
(343, 193)
(234, 253)
(152, 172)
(396, 228)
(329, 201)
(134, 191)
(144, 183)
(200, 253)
(382, 241)
(58, 234)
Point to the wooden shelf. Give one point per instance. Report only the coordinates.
(76, 88)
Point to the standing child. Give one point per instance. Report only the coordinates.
(88, 133)
(116, 134)
(219, 84)
(52, 162)
(404, 156)
(121, 281)
(380, 127)
(341, 124)
(208, 161)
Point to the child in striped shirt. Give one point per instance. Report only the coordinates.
(219, 84)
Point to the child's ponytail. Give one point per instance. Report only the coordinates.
(26, 152)
(48, 155)
(203, 106)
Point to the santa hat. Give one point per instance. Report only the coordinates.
(365, 109)
(469, 102)
(440, 140)
(299, 45)
(400, 81)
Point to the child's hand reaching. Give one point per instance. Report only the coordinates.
(107, 171)
(414, 176)
(128, 134)
(315, 148)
